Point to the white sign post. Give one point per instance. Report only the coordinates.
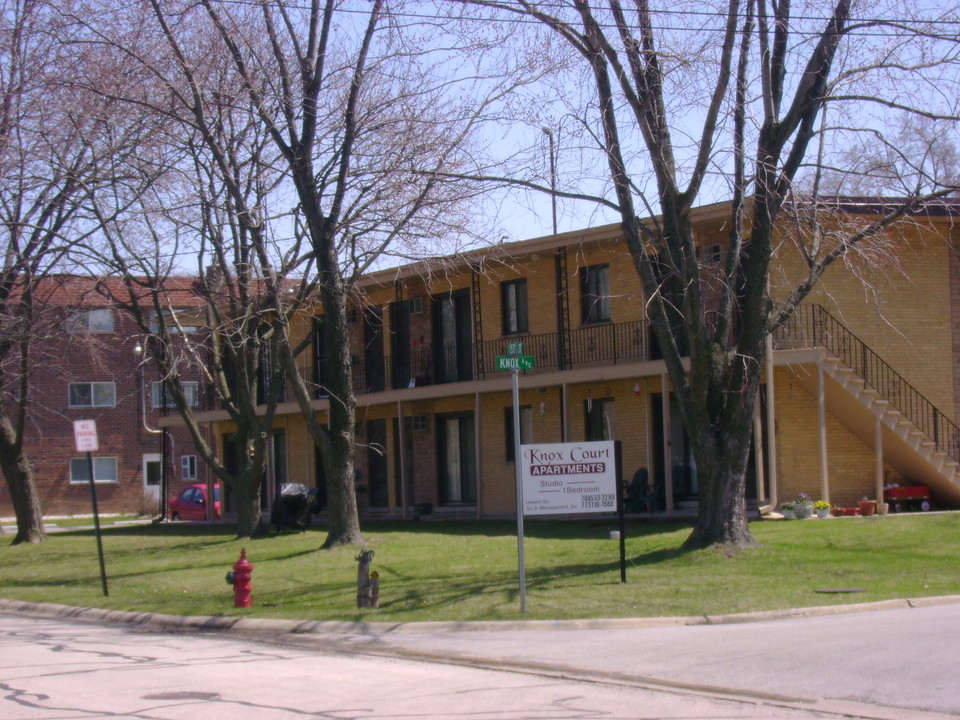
(85, 437)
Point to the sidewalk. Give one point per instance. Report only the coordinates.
(274, 627)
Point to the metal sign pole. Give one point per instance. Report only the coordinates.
(516, 463)
(85, 440)
(621, 521)
(96, 525)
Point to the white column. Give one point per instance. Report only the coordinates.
(822, 425)
(758, 453)
(771, 429)
(878, 451)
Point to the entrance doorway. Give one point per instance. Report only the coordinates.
(152, 474)
(457, 459)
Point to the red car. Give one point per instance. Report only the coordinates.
(191, 504)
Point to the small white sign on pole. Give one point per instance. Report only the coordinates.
(85, 435)
(569, 478)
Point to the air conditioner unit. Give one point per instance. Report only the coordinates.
(416, 305)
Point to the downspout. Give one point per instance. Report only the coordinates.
(141, 381)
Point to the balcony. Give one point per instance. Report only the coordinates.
(602, 344)
(594, 345)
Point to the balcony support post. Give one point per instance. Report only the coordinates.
(822, 427)
(773, 481)
(878, 454)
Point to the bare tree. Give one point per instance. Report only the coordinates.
(52, 144)
(364, 126)
(342, 114)
(728, 101)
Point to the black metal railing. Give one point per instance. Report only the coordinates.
(814, 326)
(810, 326)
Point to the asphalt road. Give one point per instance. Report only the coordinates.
(51, 669)
(899, 664)
(902, 663)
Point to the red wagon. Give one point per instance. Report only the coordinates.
(908, 497)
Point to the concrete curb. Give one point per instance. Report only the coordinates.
(274, 627)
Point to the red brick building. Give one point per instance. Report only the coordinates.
(91, 364)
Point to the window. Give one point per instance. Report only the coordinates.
(99, 320)
(104, 470)
(177, 320)
(419, 423)
(513, 302)
(188, 467)
(526, 428)
(711, 254)
(595, 294)
(92, 394)
(598, 419)
(161, 396)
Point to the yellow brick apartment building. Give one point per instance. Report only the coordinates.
(861, 390)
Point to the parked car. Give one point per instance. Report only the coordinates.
(191, 504)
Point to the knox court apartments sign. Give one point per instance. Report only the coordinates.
(569, 478)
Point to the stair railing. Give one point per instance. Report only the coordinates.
(814, 326)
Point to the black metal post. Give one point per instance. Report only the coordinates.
(96, 525)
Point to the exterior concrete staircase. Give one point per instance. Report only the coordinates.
(861, 390)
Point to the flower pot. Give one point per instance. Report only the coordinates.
(787, 514)
(823, 512)
(867, 507)
(803, 510)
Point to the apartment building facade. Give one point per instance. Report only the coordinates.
(861, 389)
(93, 365)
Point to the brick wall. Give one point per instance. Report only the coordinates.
(123, 429)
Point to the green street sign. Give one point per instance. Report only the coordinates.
(523, 362)
(515, 347)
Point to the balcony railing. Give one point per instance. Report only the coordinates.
(611, 343)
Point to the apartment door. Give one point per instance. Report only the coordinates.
(453, 337)
(319, 359)
(401, 371)
(377, 465)
(403, 454)
(683, 468)
(152, 472)
(456, 453)
(373, 373)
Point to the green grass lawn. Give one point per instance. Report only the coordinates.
(468, 570)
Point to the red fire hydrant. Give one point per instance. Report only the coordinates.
(240, 577)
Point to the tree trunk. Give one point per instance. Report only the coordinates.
(23, 490)
(344, 528)
(252, 459)
(722, 517)
(721, 452)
